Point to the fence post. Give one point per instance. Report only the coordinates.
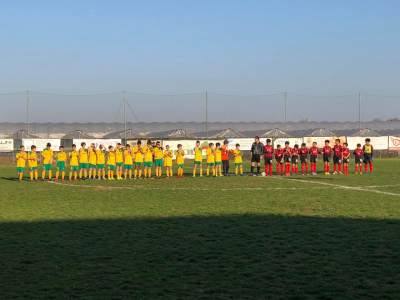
(359, 113)
(207, 114)
(27, 111)
(285, 116)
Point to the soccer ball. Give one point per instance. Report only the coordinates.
(263, 174)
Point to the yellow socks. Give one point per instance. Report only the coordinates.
(149, 173)
(85, 174)
(241, 171)
(20, 175)
(140, 173)
(49, 175)
(57, 173)
(90, 173)
(201, 172)
(130, 173)
(31, 175)
(43, 174)
(62, 175)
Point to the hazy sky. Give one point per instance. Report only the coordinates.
(175, 47)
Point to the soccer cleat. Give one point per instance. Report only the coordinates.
(56, 179)
(31, 180)
(62, 179)
(242, 175)
(70, 179)
(77, 179)
(95, 178)
(90, 179)
(36, 180)
(366, 172)
(370, 172)
(340, 173)
(201, 175)
(236, 175)
(335, 173)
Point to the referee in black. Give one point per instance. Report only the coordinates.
(257, 151)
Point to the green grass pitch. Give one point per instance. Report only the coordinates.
(301, 237)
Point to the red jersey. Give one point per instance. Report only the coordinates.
(346, 152)
(327, 150)
(303, 151)
(338, 150)
(287, 150)
(225, 153)
(278, 153)
(268, 150)
(295, 152)
(314, 151)
(358, 152)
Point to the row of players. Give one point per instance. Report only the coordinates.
(94, 160)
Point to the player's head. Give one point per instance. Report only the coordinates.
(257, 138)
(218, 145)
(278, 146)
(345, 145)
(48, 146)
(167, 147)
(211, 145)
(197, 143)
(73, 147)
(268, 141)
(358, 145)
(179, 146)
(22, 148)
(226, 142)
(33, 148)
(148, 143)
(91, 145)
(303, 145)
(287, 143)
(83, 144)
(139, 142)
(337, 141)
(296, 146)
(314, 144)
(61, 148)
(327, 142)
(110, 147)
(237, 146)
(158, 144)
(101, 147)
(128, 146)
(367, 141)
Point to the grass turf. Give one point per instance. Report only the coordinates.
(302, 237)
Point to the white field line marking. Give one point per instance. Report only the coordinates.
(362, 189)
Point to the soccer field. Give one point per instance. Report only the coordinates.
(300, 237)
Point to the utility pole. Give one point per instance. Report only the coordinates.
(125, 116)
(359, 113)
(285, 115)
(27, 111)
(207, 114)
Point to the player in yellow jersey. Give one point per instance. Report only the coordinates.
(138, 154)
(47, 155)
(61, 158)
(119, 159)
(158, 153)
(238, 160)
(210, 159)
(168, 155)
(21, 157)
(33, 163)
(128, 161)
(101, 160)
(180, 161)
(218, 159)
(73, 162)
(148, 159)
(111, 162)
(92, 161)
(198, 159)
(83, 160)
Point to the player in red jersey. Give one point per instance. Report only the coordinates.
(346, 158)
(268, 151)
(286, 158)
(327, 151)
(303, 158)
(279, 159)
(358, 153)
(314, 151)
(295, 159)
(337, 157)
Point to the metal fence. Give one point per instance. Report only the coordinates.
(35, 107)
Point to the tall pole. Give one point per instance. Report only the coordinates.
(27, 111)
(285, 115)
(207, 113)
(125, 116)
(359, 113)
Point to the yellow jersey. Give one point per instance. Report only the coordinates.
(158, 152)
(148, 157)
(218, 155)
(73, 158)
(21, 156)
(168, 158)
(119, 155)
(83, 159)
(367, 148)
(210, 158)
(138, 155)
(32, 156)
(128, 157)
(198, 154)
(238, 156)
(61, 156)
(92, 157)
(101, 160)
(111, 158)
(47, 156)
(179, 157)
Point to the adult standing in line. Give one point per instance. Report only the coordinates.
(225, 157)
(257, 150)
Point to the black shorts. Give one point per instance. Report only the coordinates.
(286, 159)
(313, 159)
(256, 158)
(327, 158)
(295, 159)
(345, 160)
(358, 159)
(337, 159)
(268, 160)
(279, 160)
(367, 158)
(303, 159)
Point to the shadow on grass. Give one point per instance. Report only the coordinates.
(216, 257)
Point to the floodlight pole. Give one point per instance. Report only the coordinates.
(27, 111)
(125, 116)
(207, 114)
(285, 115)
(359, 113)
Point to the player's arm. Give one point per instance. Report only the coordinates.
(372, 151)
